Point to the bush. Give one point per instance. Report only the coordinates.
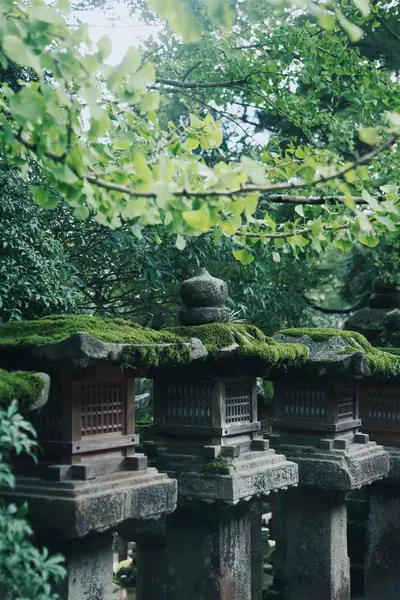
(26, 572)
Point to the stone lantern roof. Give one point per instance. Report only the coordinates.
(337, 352)
(79, 341)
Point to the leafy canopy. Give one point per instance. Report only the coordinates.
(94, 132)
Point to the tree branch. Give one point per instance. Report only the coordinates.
(286, 185)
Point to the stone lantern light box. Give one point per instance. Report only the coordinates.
(87, 427)
(320, 402)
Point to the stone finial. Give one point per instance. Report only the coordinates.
(203, 297)
(385, 294)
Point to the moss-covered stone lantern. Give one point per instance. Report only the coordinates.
(380, 413)
(87, 427)
(316, 423)
(208, 437)
(89, 479)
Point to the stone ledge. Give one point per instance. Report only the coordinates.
(251, 475)
(340, 469)
(76, 508)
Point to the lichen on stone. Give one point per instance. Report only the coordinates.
(245, 341)
(20, 385)
(378, 362)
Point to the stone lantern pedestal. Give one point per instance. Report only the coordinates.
(316, 424)
(89, 479)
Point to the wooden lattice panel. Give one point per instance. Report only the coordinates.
(188, 403)
(382, 406)
(303, 404)
(238, 401)
(346, 405)
(102, 407)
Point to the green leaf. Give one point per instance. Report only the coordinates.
(150, 101)
(81, 213)
(299, 209)
(243, 256)
(198, 219)
(104, 47)
(254, 170)
(276, 257)
(369, 240)
(369, 135)
(363, 6)
(373, 203)
(43, 197)
(20, 53)
(180, 242)
(354, 32)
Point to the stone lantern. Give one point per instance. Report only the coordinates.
(380, 413)
(89, 479)
(369, 321)
(208, 437)
(316, 423)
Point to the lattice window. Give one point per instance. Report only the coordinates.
(238, 401)
(188, 404)
(102, 407)
(346, 405)
(384, 406)
(304, 404)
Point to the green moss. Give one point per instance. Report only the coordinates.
(378, 361)
(19, 385)
(59, 327)
(218, 466)
(121, 331)
(251, 341)
(395, 351)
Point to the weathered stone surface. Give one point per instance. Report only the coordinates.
(77, 508)
(382, 576)
(209, 553)
(203, 315)
(81, 350)
(341, 469)
(251, 475)
(329, 356)
(317, 565)
(89, 568)
(204, 290)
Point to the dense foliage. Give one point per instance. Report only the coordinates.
(35, 278)
(26, 572)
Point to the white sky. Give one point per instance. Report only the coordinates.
(126, 32)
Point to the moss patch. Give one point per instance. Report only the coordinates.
(395, 351)
(19, 385)
(251, 342)
(59, 327)
(379, 362)
(218, 466)
(119, 331)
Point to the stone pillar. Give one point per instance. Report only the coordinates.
(151, 558)
(316, 548)
(382, 564)
(208, 552)
(77, 518)
(316, 424)
(257, 552)
(278, 528)
(89, 568)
